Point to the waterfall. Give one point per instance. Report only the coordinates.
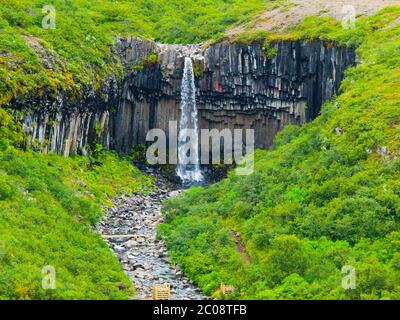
(188, 168)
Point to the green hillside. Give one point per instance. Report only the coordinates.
(42, 195)
(48, 207)
(327, 196)
(80, 45)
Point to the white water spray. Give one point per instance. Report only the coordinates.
(188, 168)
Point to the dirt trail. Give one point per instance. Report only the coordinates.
(294, 11)
(240, 247)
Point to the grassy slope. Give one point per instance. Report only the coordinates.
(319, 200)
(40, 198)
(80, 45)
(38, 202)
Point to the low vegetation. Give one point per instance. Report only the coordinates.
(327, 196)
(78, 52)
(48, 207)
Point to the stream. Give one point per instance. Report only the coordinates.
(129, 228)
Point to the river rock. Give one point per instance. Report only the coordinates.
(144, 258)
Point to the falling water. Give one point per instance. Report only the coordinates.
(188, 149)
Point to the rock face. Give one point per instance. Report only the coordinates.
(238, 86)
(64, 124)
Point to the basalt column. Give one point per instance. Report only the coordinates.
(237, 86)
(258, 86)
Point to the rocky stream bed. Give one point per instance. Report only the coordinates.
(129, 228)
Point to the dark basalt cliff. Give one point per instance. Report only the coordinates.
(238, 86)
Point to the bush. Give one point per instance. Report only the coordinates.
(318, 201)
(38, 206)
